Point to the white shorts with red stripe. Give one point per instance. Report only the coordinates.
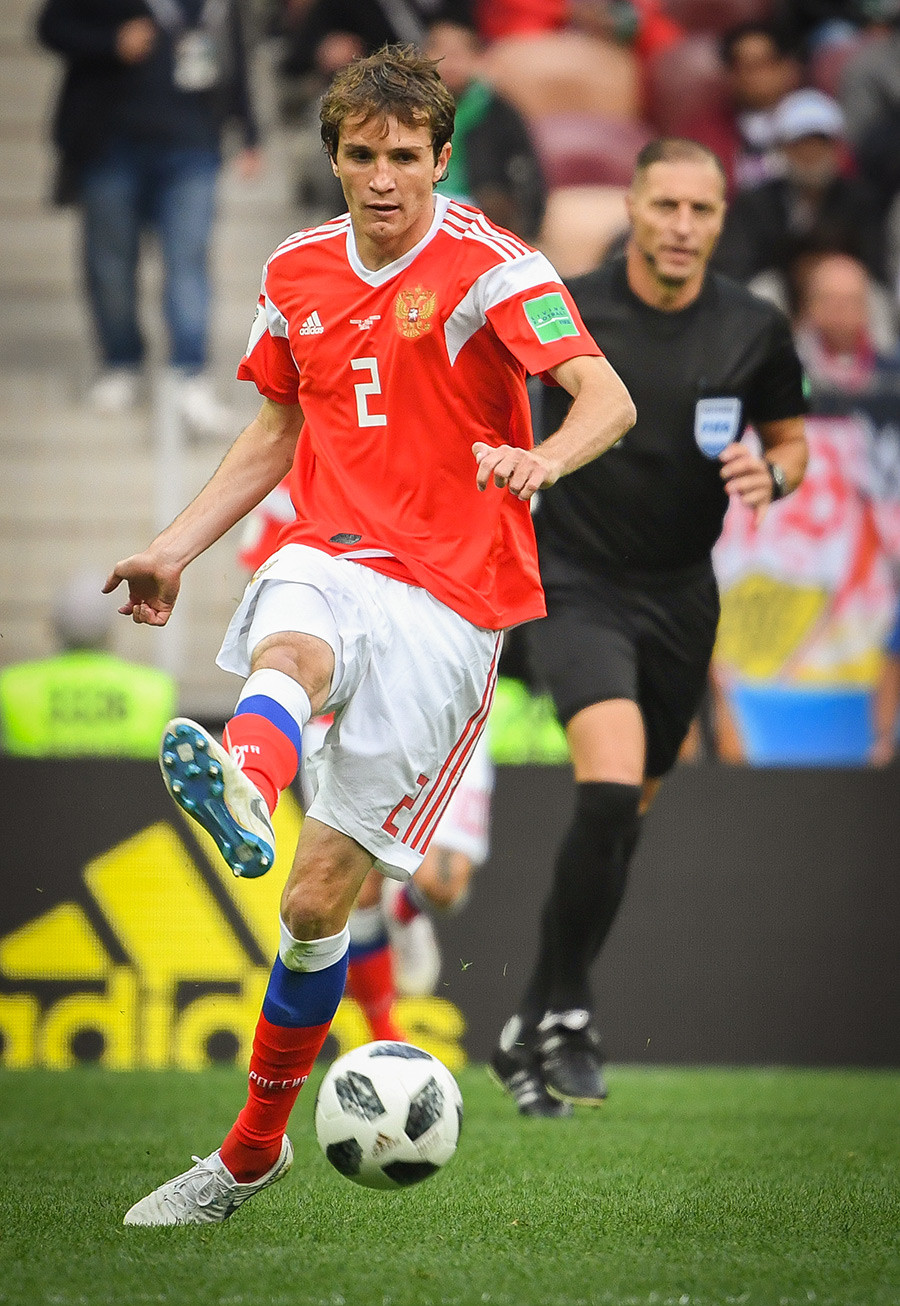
(412, 692)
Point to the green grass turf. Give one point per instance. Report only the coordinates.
(688, 1188)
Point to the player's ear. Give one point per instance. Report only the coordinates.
(441, 163)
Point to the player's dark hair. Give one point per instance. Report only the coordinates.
(395, 82)
(676, 149)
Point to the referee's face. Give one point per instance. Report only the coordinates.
(676, 210)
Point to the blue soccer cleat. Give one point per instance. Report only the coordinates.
(210, 786)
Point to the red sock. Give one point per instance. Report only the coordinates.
(405, 910)
(281, 1060)
(264, 753)
(370, 980)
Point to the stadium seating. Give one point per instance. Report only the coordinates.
(588, 149)
(684, 82)
(565, 72)
(716, 15)
(579, 224)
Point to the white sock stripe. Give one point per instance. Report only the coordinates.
(283, 689)
(312, 954)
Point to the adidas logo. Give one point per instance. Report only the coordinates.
(312, 326)
(154, 956)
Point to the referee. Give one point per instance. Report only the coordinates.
(625, 545)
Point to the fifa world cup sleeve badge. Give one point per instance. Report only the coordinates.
(413, 310)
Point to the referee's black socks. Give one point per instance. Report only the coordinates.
(588, 886)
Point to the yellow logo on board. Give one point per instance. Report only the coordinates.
(765, 622)
(166, 963)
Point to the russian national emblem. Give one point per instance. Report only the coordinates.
(413, 310)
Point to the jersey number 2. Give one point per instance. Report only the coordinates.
(365, 389)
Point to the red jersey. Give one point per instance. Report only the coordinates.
(399, 372)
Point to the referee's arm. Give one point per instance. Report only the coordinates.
(751, 479)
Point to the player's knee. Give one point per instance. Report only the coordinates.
(443, 878)
(315, 907)
(608, 809)
(370, 893)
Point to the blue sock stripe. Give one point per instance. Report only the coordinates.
(296, 999)
(358, 950)
(281, 719)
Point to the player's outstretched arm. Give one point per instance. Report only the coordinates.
(747, 476)
(259, 458)
(601, 412)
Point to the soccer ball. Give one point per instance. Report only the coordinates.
(388, 1115)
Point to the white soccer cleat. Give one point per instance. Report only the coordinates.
(207, 783)
(206, 1194)
(417, 957)
(115, 391)
(205, 416)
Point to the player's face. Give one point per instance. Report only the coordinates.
(388, 174)
(676, 210)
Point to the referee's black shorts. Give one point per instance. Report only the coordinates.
(650, 643)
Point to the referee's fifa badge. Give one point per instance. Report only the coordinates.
(717, 422)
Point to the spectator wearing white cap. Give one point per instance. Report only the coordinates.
(816, 206)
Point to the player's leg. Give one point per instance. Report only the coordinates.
(304, 990)
(606, 742)
(232, 789)
(185, 204)
(370, 974)
(672, 632)
(584, 653)
(441, 884)
(111, 217)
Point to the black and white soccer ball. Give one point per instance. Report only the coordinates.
(388, 1115)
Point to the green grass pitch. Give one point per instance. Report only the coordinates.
(688, 1188)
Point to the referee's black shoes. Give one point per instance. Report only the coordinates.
(515, 1068)
(567, 1050)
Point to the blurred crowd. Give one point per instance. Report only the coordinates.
(799, 98)
(801, 101)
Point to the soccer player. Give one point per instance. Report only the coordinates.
(393, 945)
(624, 548)
(390, 346)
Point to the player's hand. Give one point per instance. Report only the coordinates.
(747, 478)
(152, 588)
(522, 471)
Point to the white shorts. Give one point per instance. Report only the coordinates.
(412, 690)
(465, 825)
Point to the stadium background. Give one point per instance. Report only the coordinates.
(760, 923)
(760, 926)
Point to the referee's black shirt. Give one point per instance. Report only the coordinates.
(654, 502)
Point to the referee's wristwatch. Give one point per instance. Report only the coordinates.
(778, 479)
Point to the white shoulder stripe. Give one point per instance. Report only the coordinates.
(311, 235)
(462, 222)
(497, 284)
(504, 238)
